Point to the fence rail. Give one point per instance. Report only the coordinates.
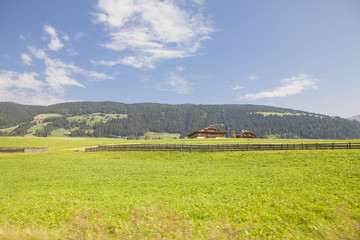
(22, 149)
(223, 147)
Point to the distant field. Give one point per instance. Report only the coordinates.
(63, 194)
(36, 127)
(164, 135)
(41, 117)
(93, 118)
(8, 129)
(60, 133)
(265, 114)
(276, 113)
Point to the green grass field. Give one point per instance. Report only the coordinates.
(93, 118)
(63, 194)
(164, 135)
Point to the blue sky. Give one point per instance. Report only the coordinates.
(300, 54)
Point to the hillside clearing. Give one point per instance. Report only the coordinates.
(41, 117)
(93, 118)
(8, 129)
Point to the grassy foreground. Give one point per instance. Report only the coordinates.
(63, 194)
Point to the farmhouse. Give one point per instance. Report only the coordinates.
(245, 134)
(208, 132)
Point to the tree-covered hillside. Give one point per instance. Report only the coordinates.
(140, 118)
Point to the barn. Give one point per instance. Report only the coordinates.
(245, 134)
(208, 132)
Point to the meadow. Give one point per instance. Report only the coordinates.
(69, 194)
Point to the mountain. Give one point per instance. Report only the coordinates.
(356, 118)
(112, 119)
(12, 114)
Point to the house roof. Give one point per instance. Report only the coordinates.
(209, 129)
(245, 132)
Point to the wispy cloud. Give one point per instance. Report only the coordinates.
(79, 36)
(55, 43)
(59, 74)
(27, 60)
(252, 77)
(47, 86)
(176, 83)
(152, 30)
(237, 88)
(22, 37)
(290, 86)
(180, 68)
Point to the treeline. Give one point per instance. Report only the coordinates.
(12, 114)
(183, 119)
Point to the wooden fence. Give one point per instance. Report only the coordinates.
(223, 147)
(22, 149)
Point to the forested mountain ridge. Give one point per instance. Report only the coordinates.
(137, 119)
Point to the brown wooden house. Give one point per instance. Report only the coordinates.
(208, 132)
(245, 134)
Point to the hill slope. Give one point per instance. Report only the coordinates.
(140, 118)
(356, 118)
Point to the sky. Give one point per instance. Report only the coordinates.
(299, 54)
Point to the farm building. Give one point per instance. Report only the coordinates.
(208, 132)
(245, 134)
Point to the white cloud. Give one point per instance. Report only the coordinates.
(252, 77)
(176, 83)
(152, 30)
(11, 79)
(79, 36)
(38, 53)
(237, 88)
(27, 60)
(59, 74)
(290, 86)
(24, 88)
(55, 43)
(180, 68)
(66, 38)
(22, 37)
(46, 87)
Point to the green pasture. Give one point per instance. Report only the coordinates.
(63, 194)
(164, 135)
(41, 117)
(265, 114)
(8, 129)
(37, 127)
(93, 118)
